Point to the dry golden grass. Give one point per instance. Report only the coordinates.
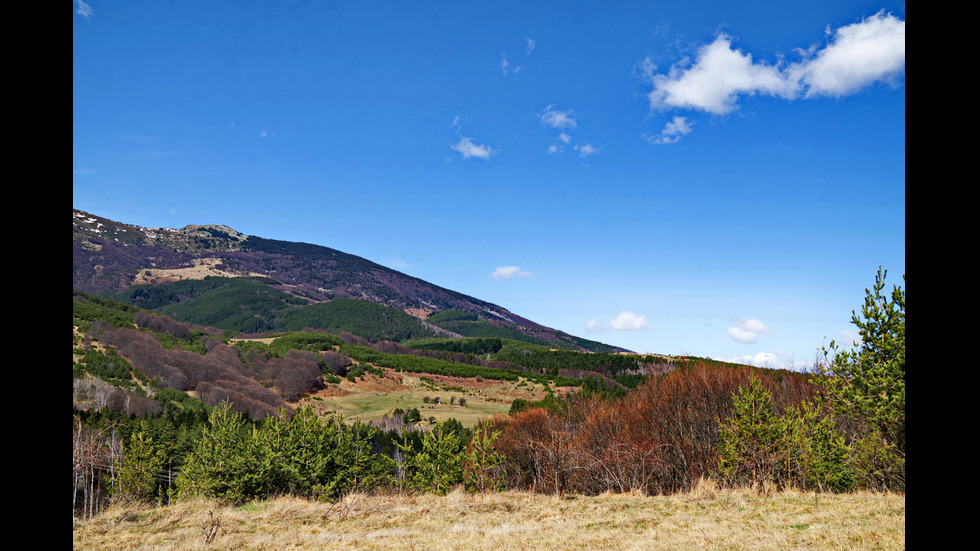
(707, 518)
(371, 398)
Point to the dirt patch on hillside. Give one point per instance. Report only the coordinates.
(391, 382)
(420, 313)
(201, 268)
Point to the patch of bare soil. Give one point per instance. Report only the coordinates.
(391, 382)
(420, 313)
(201, 268)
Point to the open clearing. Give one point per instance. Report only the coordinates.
(706, 518)
(372, 397)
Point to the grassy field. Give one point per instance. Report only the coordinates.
(371, 398)
(706, 518)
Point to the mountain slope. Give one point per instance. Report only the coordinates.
(110, 256)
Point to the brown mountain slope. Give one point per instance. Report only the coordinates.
(110, 255)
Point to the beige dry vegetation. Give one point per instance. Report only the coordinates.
(706, 518)
(372, 397)
(200, 268)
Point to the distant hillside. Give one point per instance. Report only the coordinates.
(216, 276)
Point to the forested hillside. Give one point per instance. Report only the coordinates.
(170, 409)
(230, 387)
(203, 274)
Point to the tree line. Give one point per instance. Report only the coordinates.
(837, 429)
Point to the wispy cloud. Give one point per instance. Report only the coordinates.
(84, 9)
(564, 121)
(557, 118)
(857, 55)
(747, 331)
(587, 149)
(529, 45)
(467, 147)
(505, 67)
(398, 264)
(672, 132)
(502, 273)
(594, 326)
(628, 321)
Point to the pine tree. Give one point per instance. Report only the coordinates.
(141, 462)
(800, 448)
(224, 464)
(483, 463)
(438, 466)
(749, 448)
(867, 385)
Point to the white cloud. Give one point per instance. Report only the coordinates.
(716, 80)
(530, 44)
(565, 122)
(509, 272)
(849, 338)
(773, 360)
(594, 326)
(469, 149)
(628, 321)
(747, 331)
(557, 119)
(858, 55)
(784, 353)
(762, 359)
(84, 9)
(505, 66)
(741, 335)
(559, 146)
(644, 69)
(672, 132)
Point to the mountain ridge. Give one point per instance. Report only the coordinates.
(112, 256)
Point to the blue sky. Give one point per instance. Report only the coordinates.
(711, 178)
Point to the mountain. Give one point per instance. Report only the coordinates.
(214, 275)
